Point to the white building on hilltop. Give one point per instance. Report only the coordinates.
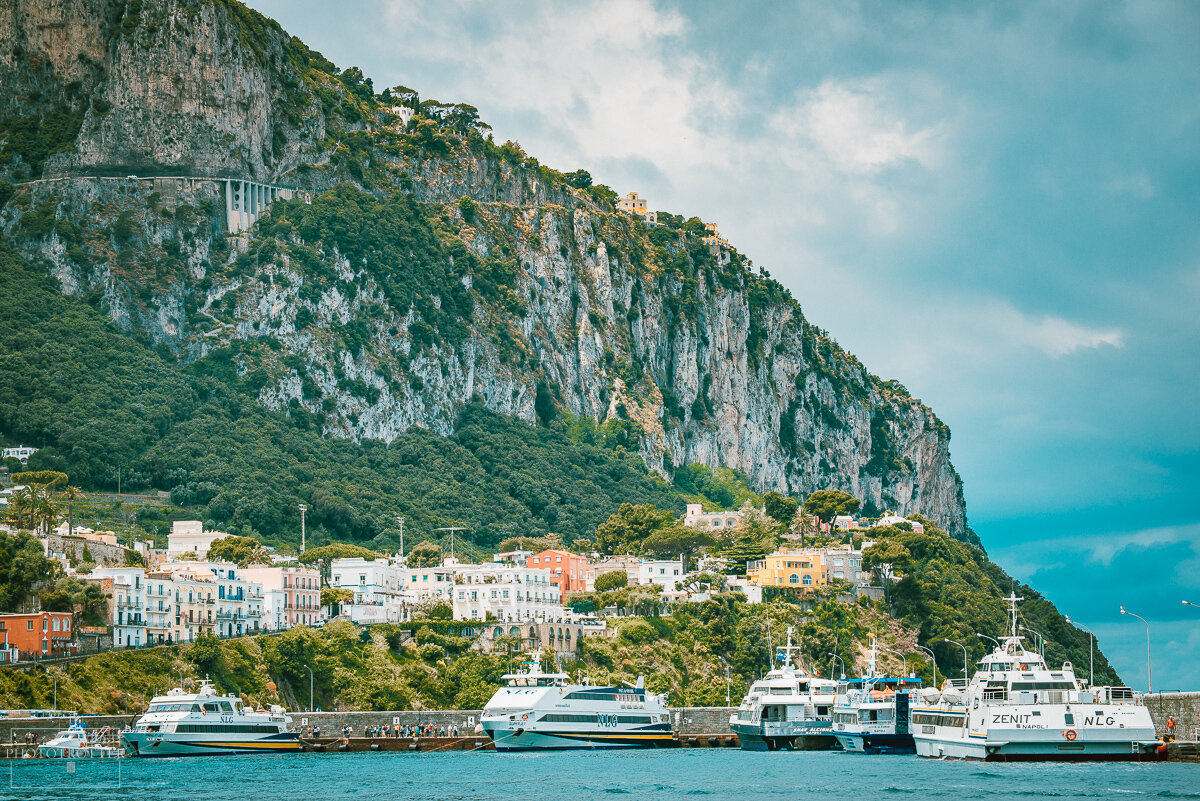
(21, 453)
(663, 572)
(188, 538)
(505, 592)
(378, 587)
(891, 520)
(696, 517)
(633, 205)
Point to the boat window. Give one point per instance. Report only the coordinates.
(225, 707)
(195, 708)
(212, 707)
(1042, 685)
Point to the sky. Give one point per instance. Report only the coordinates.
(997, 205)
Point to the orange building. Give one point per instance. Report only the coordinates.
(570, 571)
(39, 634)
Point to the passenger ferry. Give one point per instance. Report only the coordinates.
(539, 711)
(75, 743)
(1017, 708)
(871, 715)
(205, 723)
(787, 709)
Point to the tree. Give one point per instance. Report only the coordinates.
(580, 179)
(334, 597)
(828, 504)
(678, 540)
(613, 580)
(243, 551)
(42, 478)
(753, 538)
(626, 528)
(324, 555)
(425, 554)
(71, 494)
(780, 507)
(549, 542)
(205, 653)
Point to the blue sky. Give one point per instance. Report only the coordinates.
(1000, 207)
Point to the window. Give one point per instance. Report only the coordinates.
(807, 579)
(29, 625)
(54, 621)
(794, 579)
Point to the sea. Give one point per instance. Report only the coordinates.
(573, 775)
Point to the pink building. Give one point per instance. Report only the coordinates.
(291, 595)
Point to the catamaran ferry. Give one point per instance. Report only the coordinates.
(871, 714)
(536, 711)
(1017, 708)
(786, 710)
(207, 724)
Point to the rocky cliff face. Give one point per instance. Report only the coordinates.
(425, 266)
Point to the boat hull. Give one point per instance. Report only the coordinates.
(1045, 751)
(150, 745)
(877, 743)
(774, 738)
(505, 738)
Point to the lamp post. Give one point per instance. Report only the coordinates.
(984, 636)
(1041, 641)
(303, 543)
(964, 649)
(934, 658)
(400, 524)
(1091, 650)
(1189, 603)
(56, 693)
(839, 659)
(310, 688)
(1149, 664)
(903, 659)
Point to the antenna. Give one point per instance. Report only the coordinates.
(451, 529)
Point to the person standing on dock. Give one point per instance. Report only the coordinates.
(1170, 728)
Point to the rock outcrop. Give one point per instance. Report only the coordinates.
(424, 265)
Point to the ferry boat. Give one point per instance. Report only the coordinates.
(205, 723)
(1017, 708)
(540, 711)
(871, 714)
(76, 743)
(787, 709)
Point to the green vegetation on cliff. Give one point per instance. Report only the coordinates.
(95, 400)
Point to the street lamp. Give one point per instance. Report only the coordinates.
(934, 658)
(1091, 650)
(1149, 664)
(993, 639)
(303, 509)
(960, 645)
(310, 688)
(1041, 641)
(839, 659)
(1189, 603)
(903, 659)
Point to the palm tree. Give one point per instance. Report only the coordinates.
(72, 494)
(22, 507)
(46, 509)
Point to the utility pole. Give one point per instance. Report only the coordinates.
(451, 529)
(400, 523)
(303, 540)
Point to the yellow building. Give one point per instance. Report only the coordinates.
(792, 569)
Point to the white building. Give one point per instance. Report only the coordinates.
(425, 583)
(505, 593)
(21, 452)
(189, 538)
(378, 587)
(696, 517)
(160, 607)
(663, 572)
(128, 604)
(636, 206)
(291, 594)
(891, 520)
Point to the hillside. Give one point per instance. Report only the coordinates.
(422, 287)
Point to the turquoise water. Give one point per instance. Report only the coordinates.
(559, 776)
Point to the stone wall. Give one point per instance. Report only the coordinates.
(1184, 707)
(101, 553)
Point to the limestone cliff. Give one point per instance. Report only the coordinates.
(419, 265)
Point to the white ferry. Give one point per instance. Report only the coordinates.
(537, 711)
(871, 714)
(76, 743)
(787, 709)
(1017, 708)
(207, 724)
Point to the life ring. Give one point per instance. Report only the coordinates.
(525, 716)
(1070, 735)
